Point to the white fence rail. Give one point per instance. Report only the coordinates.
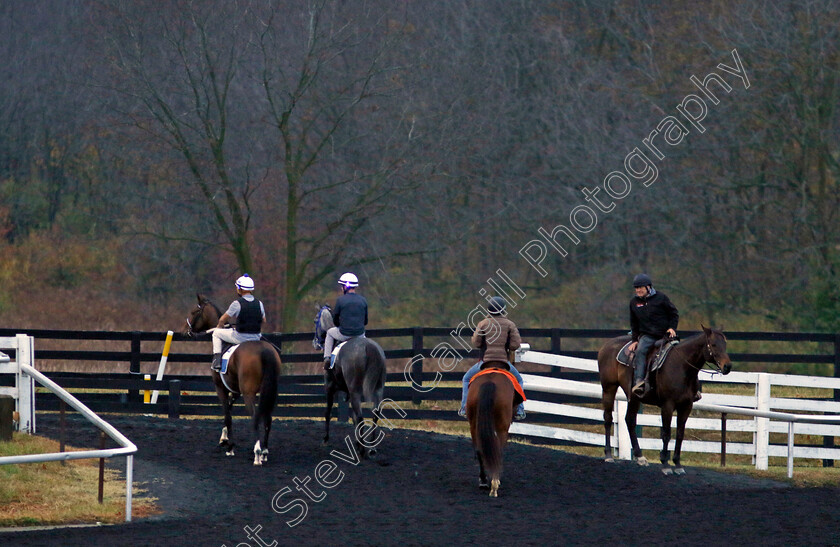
(763, 409)
(26, 377)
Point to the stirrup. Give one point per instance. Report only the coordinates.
(519, 415)
(462, 412)
(639, 389)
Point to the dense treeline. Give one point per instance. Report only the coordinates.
(152, 149)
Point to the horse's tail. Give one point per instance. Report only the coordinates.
(268, 387)
(374, 380)
(491, 450)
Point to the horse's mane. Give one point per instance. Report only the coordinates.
(204, 300)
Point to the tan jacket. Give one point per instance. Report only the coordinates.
(494, 336)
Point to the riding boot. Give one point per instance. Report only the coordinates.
(640, 387)
(217, 362)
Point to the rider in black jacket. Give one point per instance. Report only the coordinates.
(652, 316)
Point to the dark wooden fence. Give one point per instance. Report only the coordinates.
(302, 395)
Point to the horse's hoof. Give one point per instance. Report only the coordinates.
(609, 460)
(494, 494)
(667, 471)
(483, 484)
(679, 471)
(642, 461)
(229, 453)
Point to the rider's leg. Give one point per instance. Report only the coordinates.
(642, 350)
(329, 344)
(219, 336)
(520, 410)
(333, 335)
(466, 386)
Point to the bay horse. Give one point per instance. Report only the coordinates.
(252, 372)
(491, 399)
(358, 371)
(673, 389)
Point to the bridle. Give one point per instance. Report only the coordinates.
(711, 359)
(200, 309)
(714, 359)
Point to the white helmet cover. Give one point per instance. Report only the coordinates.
(348, 280)
(245, 283)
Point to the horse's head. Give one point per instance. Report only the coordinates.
(202, 317)
(323, 322)
(715, 351)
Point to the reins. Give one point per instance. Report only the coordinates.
(714, 361)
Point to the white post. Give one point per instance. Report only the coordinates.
(25, 385)
(625, 451)
(762, 425)
(790, 450)
(164, 356)
(129, 482)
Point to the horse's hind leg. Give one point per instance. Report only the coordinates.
(482, 476)
(225, 441)
(607, 402)
(266, 431)
(251, 407)
(328, 414)
(356, 414)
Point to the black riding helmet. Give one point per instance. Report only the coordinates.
(642, 280)
(496, 305)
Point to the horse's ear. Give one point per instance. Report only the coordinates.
(198, 295)
(706, 329)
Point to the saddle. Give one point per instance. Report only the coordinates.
(227, 351)
(519, 391)
(334, 354)
(655, 358)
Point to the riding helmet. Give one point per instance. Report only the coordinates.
(496, 305)
(348, 280)
(245, 283)
(642, 280)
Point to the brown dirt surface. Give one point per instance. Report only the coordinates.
(422, 489)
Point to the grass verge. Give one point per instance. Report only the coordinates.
(37, 494)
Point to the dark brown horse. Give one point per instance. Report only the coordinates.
(359, 371)
(251, 372)
(674, 387)
(490, 402)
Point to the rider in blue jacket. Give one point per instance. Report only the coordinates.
(350, 316)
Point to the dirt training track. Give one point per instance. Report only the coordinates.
(422, 490)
